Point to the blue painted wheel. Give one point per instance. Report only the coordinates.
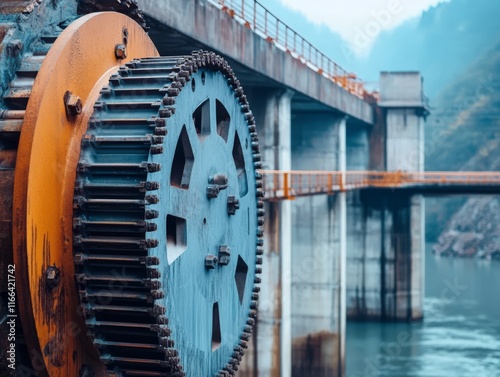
(167, 219)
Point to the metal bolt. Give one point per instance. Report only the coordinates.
(14, 47)
(232, 205)
(219, 180)
(120, 51)
(212, 191)
(73, 104)
(52, 276)
(216, 183)
(224, 255)
(211, 261)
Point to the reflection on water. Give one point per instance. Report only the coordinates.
(460, 335)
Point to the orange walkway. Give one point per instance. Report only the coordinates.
(282, 185)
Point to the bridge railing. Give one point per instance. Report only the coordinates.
(280, 185)
(256, 17)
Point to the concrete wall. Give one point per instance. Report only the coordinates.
(201, 21)
(401, 89)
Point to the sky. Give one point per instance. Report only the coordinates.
(359, 22)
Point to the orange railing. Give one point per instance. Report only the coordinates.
(256, 17)
(280, 185)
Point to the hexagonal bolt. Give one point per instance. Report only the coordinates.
(14, 47)
(232, 205)
(212, 191)
(224, 255)
(73, 104)
(52, 276)
(120, 51)
(211, 261)
(219, 179)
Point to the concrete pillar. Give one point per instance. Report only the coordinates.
(270, 353)
(405, 106)
(363, 234)
(386, 230)
(318, 248)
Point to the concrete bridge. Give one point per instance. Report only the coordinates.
(356, 252)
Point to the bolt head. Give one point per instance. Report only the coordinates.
(224, 255)
(120, 51)
(233, 204)
(211, 261)
(212, 191)
(52, 276)
(219, 179)
(73, 104)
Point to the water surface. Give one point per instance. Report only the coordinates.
(460, 335)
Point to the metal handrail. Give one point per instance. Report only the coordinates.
(289, 184)
(261, 21)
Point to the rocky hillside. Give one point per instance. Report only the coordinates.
(464, 134)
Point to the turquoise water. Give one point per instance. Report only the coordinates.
(459, 337)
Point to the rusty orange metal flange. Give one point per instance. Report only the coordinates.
(80, 62)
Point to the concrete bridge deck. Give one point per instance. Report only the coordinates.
(181, 26)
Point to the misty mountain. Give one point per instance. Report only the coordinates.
(440, 44)
(464, 134)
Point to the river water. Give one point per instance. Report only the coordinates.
(459, 337)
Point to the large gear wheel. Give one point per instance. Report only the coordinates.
(144, 207)
(167, 208)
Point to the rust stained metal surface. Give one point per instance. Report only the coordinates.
(17, 6)
(80, 61)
